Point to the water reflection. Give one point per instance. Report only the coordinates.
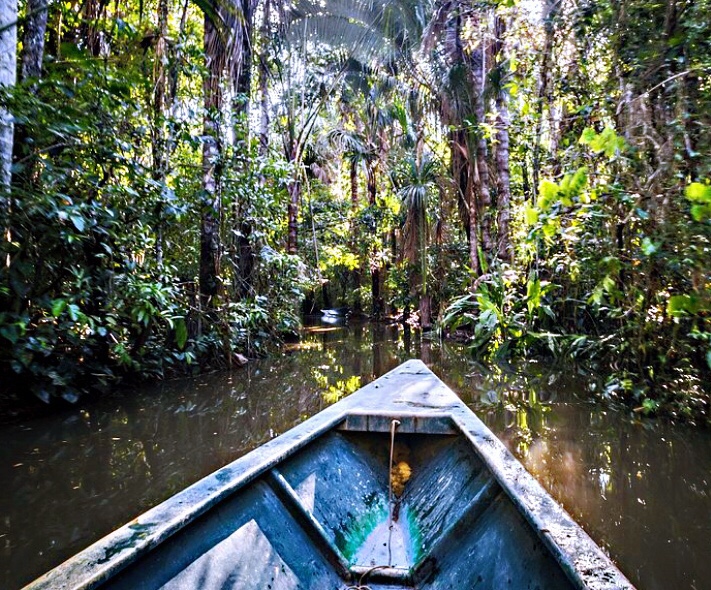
(640, 489)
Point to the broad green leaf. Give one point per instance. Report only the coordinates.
(608, 141)
(71, 396)
(181, 333)
(58, 306)
(43, 394)
(533, 294)
(587, 136)
(549, 229)
(78, 222)
(578, 182)
(701, 212)
(487, 321)
(708, 357)
(531, 215)
(679, 305)
(698, 193)
(547, 191)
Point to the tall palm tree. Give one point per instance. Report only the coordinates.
(382, 33)
(226, 36)
(369, 104)
(421, 180)
(460, 88)
(215, 63)
(222, 47)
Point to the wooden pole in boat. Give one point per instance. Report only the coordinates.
(393, 425)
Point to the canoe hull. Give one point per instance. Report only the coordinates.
(312, 509)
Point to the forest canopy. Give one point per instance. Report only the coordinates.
(179, 181)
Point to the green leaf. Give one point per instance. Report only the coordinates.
(58, 306)
(548, 192)
(71, 396)
(608, 141)
(43, 394)
(698, 193)
(181, 333)
(533, 294)
(587, 136)
(578, 182)
(649, 247)
(10, 333)
(531, 215)
(680, 305)
(78, 222)
(701, 212)
(650, 406)
(74, 311)
(708, 357)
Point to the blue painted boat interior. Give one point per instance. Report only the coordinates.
(321, 519)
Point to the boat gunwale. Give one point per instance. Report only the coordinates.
(98, 562)
(581, 559)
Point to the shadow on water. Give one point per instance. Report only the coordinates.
(642, 490)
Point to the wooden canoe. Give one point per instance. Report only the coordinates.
(397, 486)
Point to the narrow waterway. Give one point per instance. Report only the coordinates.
(642, 489)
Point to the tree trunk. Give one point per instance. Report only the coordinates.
(550, 9)
(356, 274)
(294, 189)
(242, 67)
(353, 171)
(425, 309)
(377, 303)
(159, 135)
(372, 181)
(160, 77)
(33, 39)
(91, 12)
(482, 179)
(473, 231)
(242, 80)
(8, 53)
(464, 154)
(264, 82)
(503, 187)
(210, 218)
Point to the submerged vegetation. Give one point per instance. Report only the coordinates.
(179, 181)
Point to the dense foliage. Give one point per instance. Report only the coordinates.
(532, 176)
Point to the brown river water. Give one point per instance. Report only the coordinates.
(642, 489)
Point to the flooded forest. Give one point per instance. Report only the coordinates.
(199, 198)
